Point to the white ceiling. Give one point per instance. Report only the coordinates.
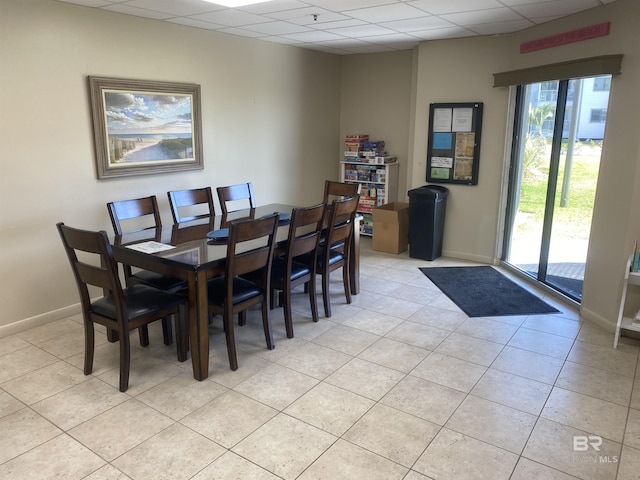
(353, 26)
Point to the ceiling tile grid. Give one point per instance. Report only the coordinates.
(352, 26)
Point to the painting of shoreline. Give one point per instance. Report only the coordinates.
(148, 127)
(145, 126)
(149, 148)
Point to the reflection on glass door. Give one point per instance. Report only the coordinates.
(554, 171)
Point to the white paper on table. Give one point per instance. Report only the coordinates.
(150, 247)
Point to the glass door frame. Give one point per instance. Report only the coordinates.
(515, 175)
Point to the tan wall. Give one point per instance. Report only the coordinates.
(461, 70)
(376, 99)
(270, 114)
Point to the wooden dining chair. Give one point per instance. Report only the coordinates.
(140, 214)
(121, 310)
(335, 249)
(192, 204)
(234, 195)
(297, 266)
(144, 211)
(339, 190)
(249, 250)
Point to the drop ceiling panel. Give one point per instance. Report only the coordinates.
(352, 26)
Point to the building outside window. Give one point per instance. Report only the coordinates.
(598, 115)
(602, 84)
(548, 91)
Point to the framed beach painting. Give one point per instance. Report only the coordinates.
(143, 127)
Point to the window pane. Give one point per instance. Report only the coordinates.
(602, 84)
(598, 115)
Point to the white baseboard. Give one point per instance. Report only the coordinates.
(38, 320)
(593, 317)
(469, 257)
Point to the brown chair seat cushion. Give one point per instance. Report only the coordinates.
(278, 267)
(334, 257)
(163, 282)
(243, 289)
(139, 300)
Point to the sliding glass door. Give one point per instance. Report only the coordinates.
(555, 159)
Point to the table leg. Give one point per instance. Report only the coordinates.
(198, 324)
(354, 260)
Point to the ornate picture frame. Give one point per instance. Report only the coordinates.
(145, 127)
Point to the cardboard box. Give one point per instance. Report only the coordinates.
(391, 227)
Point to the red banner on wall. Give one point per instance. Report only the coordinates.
(578, 35)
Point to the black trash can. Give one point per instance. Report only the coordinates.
(426, 221)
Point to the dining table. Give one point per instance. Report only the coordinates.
(185, 251)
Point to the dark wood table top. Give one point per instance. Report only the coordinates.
(192, 249)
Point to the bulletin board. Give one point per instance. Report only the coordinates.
(453, 152)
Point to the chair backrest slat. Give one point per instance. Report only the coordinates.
(192, 204)
(260, 232)
(92, 275)
(305, 230)
(339, 190)
(144, 209)
(236, 193)
(251, 261)
(341, 221)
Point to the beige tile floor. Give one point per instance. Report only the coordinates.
(399, 384)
